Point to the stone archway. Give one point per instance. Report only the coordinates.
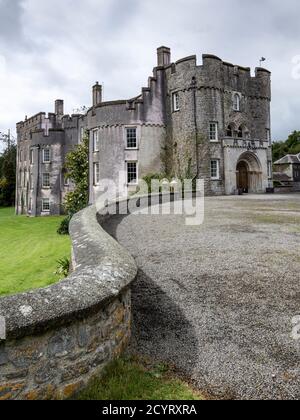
(249, 173)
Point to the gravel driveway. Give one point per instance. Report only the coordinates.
(217, 300)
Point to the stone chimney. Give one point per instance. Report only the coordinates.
(59, 107)
(97, 94)
(163, 56)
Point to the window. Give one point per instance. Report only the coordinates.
(30, 204)
(96, 173)
(240, 132)
(213, 132)
(46, 180)
(95, 141)
(45, 205)
(131, 138)
(215, 169)
(132, 177)
(46, 156)
(229, 132)
(176, 106)
(236, 102)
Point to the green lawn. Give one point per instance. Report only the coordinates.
(29, 250)
(134, 379)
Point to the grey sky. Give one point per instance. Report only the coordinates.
(58, 48)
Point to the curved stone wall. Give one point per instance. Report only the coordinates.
(57, 338)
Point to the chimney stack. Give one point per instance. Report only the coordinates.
(59, 107)
(97, 94)
(163, 56)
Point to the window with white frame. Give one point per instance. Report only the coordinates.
(213, 131)
(131, 138)
(215, 169)
(46, 180)
(236, 102)
(96, 175)
(176, 102)
(45, 204)
(132, 175)
(46, 155)
(95, 141)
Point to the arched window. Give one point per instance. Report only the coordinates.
(236, 102)
(229, 132)
(240, 132)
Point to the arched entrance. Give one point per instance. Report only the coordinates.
(243, 176)
(249, 173)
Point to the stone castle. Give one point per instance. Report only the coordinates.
(209, 121)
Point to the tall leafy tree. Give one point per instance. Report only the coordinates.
(290, 146)
(77, 170)
(8, 175)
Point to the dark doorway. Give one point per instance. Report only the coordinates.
(242, 177)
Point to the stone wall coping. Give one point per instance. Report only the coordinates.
(103, 268)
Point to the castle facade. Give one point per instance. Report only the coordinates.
(209, 121)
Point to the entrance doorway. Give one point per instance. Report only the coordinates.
(243, 176)
(249, 173)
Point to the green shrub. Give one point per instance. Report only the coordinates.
(63, 268)
(64, 226)
(150, 177)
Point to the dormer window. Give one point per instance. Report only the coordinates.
(236, 102)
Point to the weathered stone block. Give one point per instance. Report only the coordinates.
(46, 372)
(10, 391)
(76, 370)
(62, 343)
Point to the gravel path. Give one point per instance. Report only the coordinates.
(218, 300)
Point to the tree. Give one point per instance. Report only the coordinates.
(290, 146)
(8, 175)
(77, 170)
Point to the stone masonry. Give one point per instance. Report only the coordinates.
(60, 337)
(58, 363)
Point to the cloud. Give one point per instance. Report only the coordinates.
(57, 48)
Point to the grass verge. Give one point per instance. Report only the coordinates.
(29, 251)
(135, 379)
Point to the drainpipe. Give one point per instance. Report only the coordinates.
(194, 90)
(37, 179)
